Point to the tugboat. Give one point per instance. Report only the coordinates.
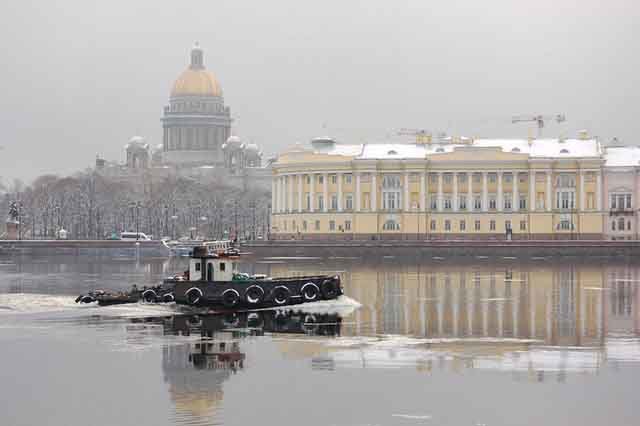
(213, 281)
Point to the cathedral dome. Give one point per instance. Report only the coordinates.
(196, 80)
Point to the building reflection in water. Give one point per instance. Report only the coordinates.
(196, 371)
(529, 319)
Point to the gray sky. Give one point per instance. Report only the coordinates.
(79, 78)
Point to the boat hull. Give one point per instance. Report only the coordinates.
(256, 294)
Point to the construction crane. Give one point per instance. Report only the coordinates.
(422, 136)
(540, 119)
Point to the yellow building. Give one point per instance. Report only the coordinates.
(458, 188)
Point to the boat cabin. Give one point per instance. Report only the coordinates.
(204, 266)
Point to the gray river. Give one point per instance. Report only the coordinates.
(420, 341)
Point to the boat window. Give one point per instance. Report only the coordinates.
(222, 266)
(197, 266)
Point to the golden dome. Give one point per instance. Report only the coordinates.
(196, 82)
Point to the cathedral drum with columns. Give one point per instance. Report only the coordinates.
(456, 188)
(196, 123)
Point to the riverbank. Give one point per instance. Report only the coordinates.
(499, 248)
(109, 248)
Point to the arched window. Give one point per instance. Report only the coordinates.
(440, 150)
(564, 151)
(516, 149)
(391, 225)
(392, 152)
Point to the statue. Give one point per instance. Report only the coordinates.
(13, 212)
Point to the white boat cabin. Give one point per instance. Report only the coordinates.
(212, 268)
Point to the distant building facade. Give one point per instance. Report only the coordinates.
(621, 186)
(455, 188)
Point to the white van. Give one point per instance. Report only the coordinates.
(141, 236)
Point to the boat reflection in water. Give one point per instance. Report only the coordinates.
(196, 371)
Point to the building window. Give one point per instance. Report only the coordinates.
(523, 225)
(492, 177)
(347, 178)
(414, 177)
(522, 202)
(492, 202)
(347, 225)
(432, 225)
(629, 225)
(566, 181)
(590, 201)
(308, 180)
(508, 178)
(506, 201)
(317, 225)
(391, 225)
(477, 225)
(447, 225)
(462, 202)
(308, 202)
(434, 202)
(334, 202)
(463, 225)
(293, 225)
(447, 203)
(621, 224)
(522, 178)
(320, 202)
(448, 178)
(349, 202)
(390, 200)
(565, 200)
(565, 225)
(477, 202)
(540, 201)
(304, 225)
(334, 179)
(414, 201)
(332, 225)
(492, 225)
(613, 225)
(321, 179)
(507, 224)
(476, 177)
(462, 178)
(433, 178)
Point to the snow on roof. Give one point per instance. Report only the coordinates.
(621, 156)
(537, 148)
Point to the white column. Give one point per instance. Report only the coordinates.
(515, 192)
(374, 193)
(500, 194)
(300, 178)
(455, 192)
(423, 201)
(549, 190)
(339, 177)
(274, 194)
(325, 191)
(281, 194)
(469, 191)
(358, 202)
(290, 205)
(485, 193)
(599, 190)
(582, 193)
(440, 200)
(532, 190)
(407, 202)
(312, 192)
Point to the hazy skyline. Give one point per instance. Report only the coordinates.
(79, 79)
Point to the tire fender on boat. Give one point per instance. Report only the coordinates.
(87, 299)
(254, 294)
(193, 295)
(230, 298)
(281, 295)
(167, 298)
(310, 292)
(150, 296)
(329, 289)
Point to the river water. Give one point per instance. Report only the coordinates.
(419, 341)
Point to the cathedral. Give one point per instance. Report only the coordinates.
(196, 123)
(197, 140)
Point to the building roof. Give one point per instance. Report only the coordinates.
(537, 148)
(622, 156)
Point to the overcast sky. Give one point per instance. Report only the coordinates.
(79, 78)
